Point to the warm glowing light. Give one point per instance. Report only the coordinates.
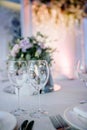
(56, 87)
(60, 37)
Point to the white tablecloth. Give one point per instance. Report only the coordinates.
(71, 92)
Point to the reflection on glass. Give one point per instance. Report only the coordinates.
(38, 72)
(17, 73)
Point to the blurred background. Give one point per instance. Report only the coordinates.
(64, 22)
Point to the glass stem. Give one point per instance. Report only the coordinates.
(39, 99)
(18, 98)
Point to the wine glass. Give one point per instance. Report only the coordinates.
(82, 76)
(17, 74)
(38, 71)
(80, 70)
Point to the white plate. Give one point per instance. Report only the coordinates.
(75, 120)
(7, 121)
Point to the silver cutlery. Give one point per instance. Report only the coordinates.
(83, 101)
(59, 123)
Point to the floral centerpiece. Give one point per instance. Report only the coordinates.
(31, 48)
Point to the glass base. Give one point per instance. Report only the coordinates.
(39, 113)
(19, 112)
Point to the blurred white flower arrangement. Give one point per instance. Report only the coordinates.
(75, 8)
(31, 48)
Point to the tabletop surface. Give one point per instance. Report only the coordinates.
(71, 93)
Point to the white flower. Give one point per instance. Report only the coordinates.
(25, 44)
(15, 50)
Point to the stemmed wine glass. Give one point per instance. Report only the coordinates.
(38, 71)
(82, 76)
(17, 74)
(80, 70)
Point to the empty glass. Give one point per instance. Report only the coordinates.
(38, 72)
(17, 73)
(80, 70)
(82, 75)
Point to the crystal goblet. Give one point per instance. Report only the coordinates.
(17, 74)
(38, 72)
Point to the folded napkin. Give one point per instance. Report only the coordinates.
(81, 110)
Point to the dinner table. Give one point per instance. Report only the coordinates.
(69, 94)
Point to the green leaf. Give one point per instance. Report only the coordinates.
(28, 57)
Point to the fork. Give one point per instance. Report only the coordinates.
(59, 123)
